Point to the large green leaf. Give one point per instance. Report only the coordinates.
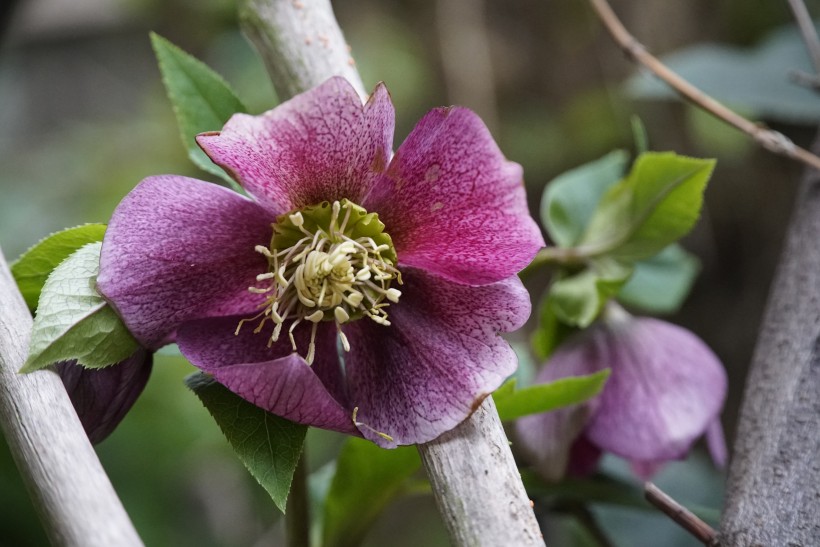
(367, 479)
(268, 446)
(73, 321)
(755, 80)
(201, 98)
(654, 206)
(31, 270)
(578, 299)
(514, 403)
(661, 283)
(570, 199)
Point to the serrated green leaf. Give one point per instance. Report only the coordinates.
(654, 206)
(514, 403)
(202, 100)
(367, 479)
(570, 199)
(578, 299)
(73, 321)
(31, 270)
(268, 446)
(660, 284)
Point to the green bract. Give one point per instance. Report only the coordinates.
(514, 403)
(268, 446)
(73, 321)
(31, 270)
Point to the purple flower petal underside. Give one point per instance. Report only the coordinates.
(177, 249)
(322, 145)
(439, 359)
(274, 378)
(453, 204)
(102, 397)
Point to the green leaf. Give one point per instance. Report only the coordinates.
(654, 206)
(660, 284)
(202, 100)
(755, 80)
(639, 134)
(31, 270)
(570, 199)
(578, 299)
(73, 321)
(367, 479)
(550, 331)
(268, 446)
(514, 403)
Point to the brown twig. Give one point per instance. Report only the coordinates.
(680, 514)
(773, 141)
(807, 30)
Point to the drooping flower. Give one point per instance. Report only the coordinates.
(353, 291)
(102, 397)
(665, 390)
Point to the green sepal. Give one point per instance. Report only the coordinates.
(578, 299)
(33, 267)
(514, 403)
(73, 321)
(267, 445)
(202, 100)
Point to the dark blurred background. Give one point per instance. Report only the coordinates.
(83, 118)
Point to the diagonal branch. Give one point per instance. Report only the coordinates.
(773, 141)
(76, 502)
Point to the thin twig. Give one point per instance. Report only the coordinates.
(807, 30)
(680, 514)
(773, 141)
(805, 79)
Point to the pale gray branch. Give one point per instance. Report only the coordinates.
(774, 480)
(72, 493)
(474, 477)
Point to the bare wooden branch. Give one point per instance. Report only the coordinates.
(774, 480)
(300, 43)
(477, 485)
(475, 480)
(680, 514)
(807, 30)
(75, 499)
(773, 141)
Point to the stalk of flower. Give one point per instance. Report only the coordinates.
(405, 261)
(665, 390)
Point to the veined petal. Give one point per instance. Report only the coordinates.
(665, 390)
(436, 362)
(453, 205)
(321, 145)
(102, 397)
(177, 249)
(275, 378)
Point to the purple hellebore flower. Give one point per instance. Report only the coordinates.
(665, 390)
(352, 292)
(102, 397)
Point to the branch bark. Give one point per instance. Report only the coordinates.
(474, 477)
(71, 492)
(774, 479)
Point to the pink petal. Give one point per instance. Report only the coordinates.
(177, 249)
(438, 360)
(322, 145)
(274, 378)
(716, 443)
(453, 205)
(666, 388)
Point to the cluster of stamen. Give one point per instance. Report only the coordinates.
(331, 273)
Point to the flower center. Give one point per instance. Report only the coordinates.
(326, 262)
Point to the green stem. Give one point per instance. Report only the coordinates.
(297, 514)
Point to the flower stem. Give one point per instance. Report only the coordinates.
(297, 514)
